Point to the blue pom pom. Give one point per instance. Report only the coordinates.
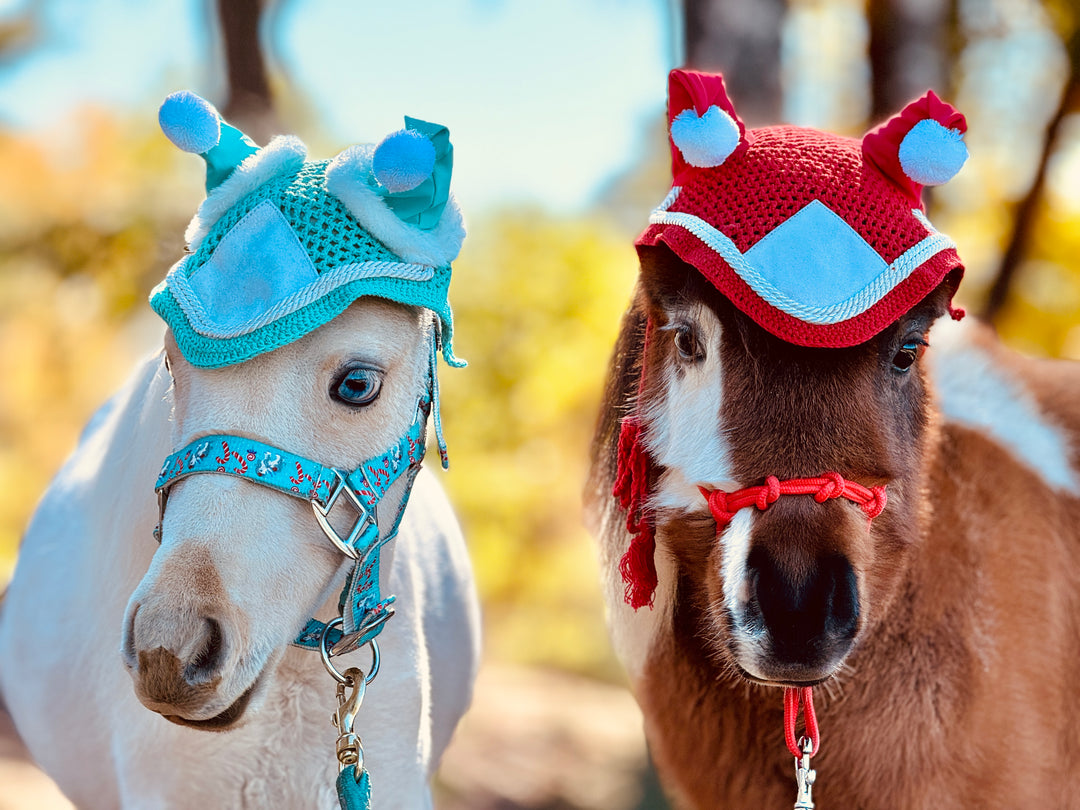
(930, 154)
(403, 160)
(190, 122)
(705, 141)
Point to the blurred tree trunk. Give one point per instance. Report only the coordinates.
(909, 51)
(19, 33)
(248, 101)
(1027, 210)
(741, 38)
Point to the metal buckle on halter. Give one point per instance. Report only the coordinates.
(346, 545)
(162, 498)
(363, 634)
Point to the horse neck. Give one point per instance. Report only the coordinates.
(105, 491)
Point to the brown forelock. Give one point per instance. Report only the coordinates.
(794, 411)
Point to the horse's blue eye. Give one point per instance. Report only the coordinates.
(358, 386)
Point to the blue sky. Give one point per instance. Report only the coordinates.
(545, 101)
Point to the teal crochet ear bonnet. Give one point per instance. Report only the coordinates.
(282, 245)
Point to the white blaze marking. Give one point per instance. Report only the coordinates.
(974, 393)
(685, 434)
(735, 540)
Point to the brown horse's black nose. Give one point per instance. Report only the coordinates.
(810, 619)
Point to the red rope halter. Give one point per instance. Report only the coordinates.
(724, 505)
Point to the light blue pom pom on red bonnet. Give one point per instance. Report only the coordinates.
(190, 122)
(932, 154)
(707, 140)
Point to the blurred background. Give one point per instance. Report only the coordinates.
(556, 113)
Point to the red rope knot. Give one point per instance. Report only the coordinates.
(770, 493)
(718, 504)
(876, 505)
(832, 486)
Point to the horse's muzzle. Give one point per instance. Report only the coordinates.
(802, 626)
(182, 678)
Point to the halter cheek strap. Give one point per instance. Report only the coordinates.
(363, 609)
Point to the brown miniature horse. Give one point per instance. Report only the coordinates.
(943, 636)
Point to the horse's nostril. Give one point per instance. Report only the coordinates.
(808, 615)
(206, 662)
(842, 612)
(127, 647)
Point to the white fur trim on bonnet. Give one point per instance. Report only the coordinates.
(348, 177)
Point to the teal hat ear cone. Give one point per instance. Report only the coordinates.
(421, 200)
(229, 153)
(193, 125)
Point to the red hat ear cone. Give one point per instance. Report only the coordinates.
(705, 130)
(922, 145)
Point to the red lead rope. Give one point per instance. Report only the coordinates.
(792, 697)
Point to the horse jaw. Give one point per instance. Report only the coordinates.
(241, 568)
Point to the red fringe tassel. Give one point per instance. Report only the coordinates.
(637, 566)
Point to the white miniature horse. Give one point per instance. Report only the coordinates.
(203, 624)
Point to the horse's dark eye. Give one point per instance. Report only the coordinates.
(908, 354)
(357, 386)
(687, 344)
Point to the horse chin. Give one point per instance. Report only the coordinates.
(232, 717)
(782, 681)
(191, 713)
(759, 666)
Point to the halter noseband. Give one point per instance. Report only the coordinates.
(724, 505)
(363, 609)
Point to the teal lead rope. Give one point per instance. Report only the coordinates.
(354, 793)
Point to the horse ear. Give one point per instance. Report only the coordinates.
(922, 145)
(705, 130)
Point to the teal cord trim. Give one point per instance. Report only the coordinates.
(206, 352)
(353, 793)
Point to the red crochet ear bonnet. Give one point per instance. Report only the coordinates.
(820, 239)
